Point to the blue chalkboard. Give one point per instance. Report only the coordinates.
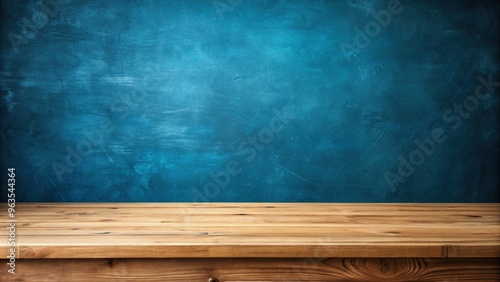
(239, 100)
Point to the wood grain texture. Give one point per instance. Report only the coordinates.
(245, 230)
(266, 269)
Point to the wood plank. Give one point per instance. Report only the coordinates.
(177, 230)
(227, 270)
(308, 231)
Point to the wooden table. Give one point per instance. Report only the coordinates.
(254, 242)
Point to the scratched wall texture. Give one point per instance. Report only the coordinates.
(321, 101)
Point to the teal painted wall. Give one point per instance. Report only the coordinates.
(229, 100)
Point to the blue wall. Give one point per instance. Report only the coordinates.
(229, 100)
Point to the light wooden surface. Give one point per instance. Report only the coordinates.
(258, 230)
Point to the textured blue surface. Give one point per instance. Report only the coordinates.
(321, 101)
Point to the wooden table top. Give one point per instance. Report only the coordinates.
(245, 230)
